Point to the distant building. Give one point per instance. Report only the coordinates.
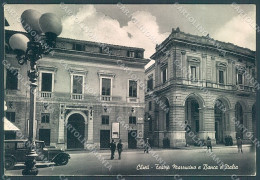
(209, 84)
(84, 90)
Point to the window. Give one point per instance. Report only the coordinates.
(78, 47)
(197, 124)
(221, 77)
(45, 118)
(132, 88)
(106, 87)
(150, 105)
(253, 73)
(46, 84)
(10, 116)
(149, 84)
(131, 54)
(105, 119)
(132, 120)
(77, 84)
(12, 79)
(150, 124)
(21, 145)
(164, 75)
(193, 72)
(239, 79)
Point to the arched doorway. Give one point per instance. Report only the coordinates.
(162, 122)
(164, 115)
(74, 137)
(192, 117)
(221, 120)
(254, 119)
(239, 117)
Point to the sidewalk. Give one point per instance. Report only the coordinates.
(219, 146)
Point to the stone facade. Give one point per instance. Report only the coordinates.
(209, 84)
(70, 91)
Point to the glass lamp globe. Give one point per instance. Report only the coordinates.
(50, 24)
(30, 20)
(18, 42)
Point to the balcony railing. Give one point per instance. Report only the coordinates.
(106, 98)
(76, 96)
(241, 87)
(46, 94)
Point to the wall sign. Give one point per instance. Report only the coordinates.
(115, 130)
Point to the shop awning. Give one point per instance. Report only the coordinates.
(8, 126)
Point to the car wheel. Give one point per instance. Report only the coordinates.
(62, 161)
(9, 163)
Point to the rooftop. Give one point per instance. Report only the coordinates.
(205, 41)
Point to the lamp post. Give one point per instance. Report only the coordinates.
(42, 31)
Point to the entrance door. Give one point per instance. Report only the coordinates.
(10, 135)
(73, 137)
(45, 135)
(104, 139)
(217, 132)
(131, 139)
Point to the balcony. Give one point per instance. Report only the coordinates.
(132, 100)
(106, 98)
(46, 94)
(241, 87)
(77, 96)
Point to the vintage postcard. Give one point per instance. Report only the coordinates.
(130, 90)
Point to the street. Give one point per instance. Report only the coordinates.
(135, 162)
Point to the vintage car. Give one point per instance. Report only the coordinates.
(16, 150)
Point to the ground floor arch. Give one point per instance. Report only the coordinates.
(76, 131)
(222, 121)
(254, 119)
(164, 114)
(239, 115)
(193, 116)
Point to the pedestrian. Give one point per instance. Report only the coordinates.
(239, 145)
(112, 148)
(187, 130)
(119, 148)
(209, 144)
(146, 146)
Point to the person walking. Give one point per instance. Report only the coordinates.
(239, 145)
(119, 148)
(187, 130)
(209, 144)
(146, 146)
(112, 148)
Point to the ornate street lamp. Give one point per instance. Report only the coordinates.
(42, 33)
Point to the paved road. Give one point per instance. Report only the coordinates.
(85, 163)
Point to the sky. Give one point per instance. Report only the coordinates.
(145, 26)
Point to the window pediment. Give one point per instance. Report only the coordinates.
(106, 74)
(193, 59)
(221, 64)
(47, 68)
(77, 71)
(164, 65)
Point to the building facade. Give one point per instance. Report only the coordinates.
(206, 85)
(83, 88)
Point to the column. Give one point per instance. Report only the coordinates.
(229, 72)
(207, 124)
(183, 65)
(90, 126)
(232, 126)
(248, 130)
(177, 129)
(61, 125)
(203, 69)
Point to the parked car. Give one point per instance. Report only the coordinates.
(16, 150)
